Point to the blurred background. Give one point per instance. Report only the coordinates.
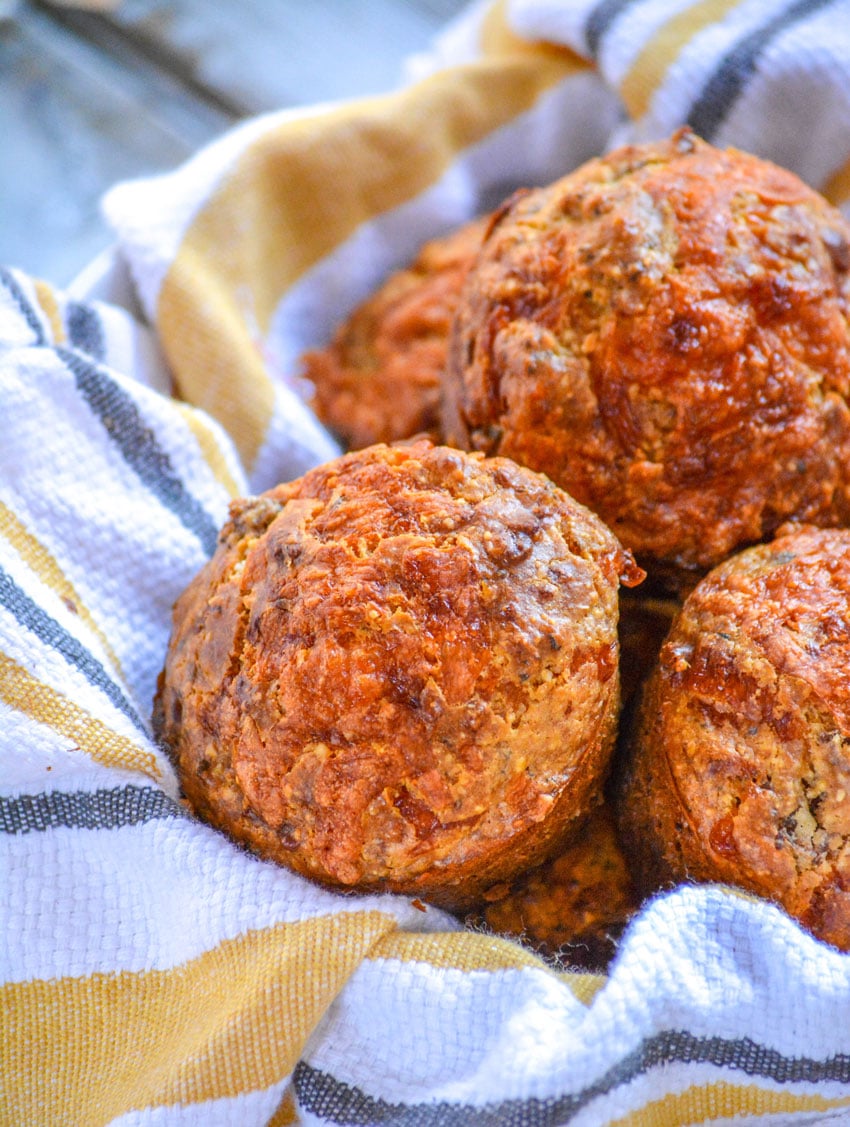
(99, 91)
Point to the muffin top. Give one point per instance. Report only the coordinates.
(397, 667)
(664, 332)
(379, 379)
(741, 768)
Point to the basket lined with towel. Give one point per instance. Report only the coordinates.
(153, 973)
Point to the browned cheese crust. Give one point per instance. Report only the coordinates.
(400, 671)
(741, 759)
(664, 333)
(574, 907)
(379, 379)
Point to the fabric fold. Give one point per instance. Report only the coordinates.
(151, 972)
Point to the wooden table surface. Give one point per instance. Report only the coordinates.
(88, 97)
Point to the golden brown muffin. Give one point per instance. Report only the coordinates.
(664, 333)
(575, 907)
(740, 768)
(379, 379)
(400, 671)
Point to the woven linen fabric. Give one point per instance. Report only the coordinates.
(152, 973)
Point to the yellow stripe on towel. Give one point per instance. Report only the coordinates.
(46, 298)
(43, 564)
(23, 692)
(231, 1021)
(209, 446)
(653, 63)
(281, 210)
(461, 950)
(472, 951)
(723, 1101)
(287, 1113)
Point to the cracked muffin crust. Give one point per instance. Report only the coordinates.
(664, 332)
(379, 379)
(400, 671)
(740, 766)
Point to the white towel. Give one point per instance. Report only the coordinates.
(152, 972)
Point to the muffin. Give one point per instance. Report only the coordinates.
(574, 907)
(379, 378)
(399, 672)
(664, 332)
(740, 764)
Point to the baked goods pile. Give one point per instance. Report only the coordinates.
(402, 671)
(664, 333)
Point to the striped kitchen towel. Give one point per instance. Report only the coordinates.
(152, 973)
